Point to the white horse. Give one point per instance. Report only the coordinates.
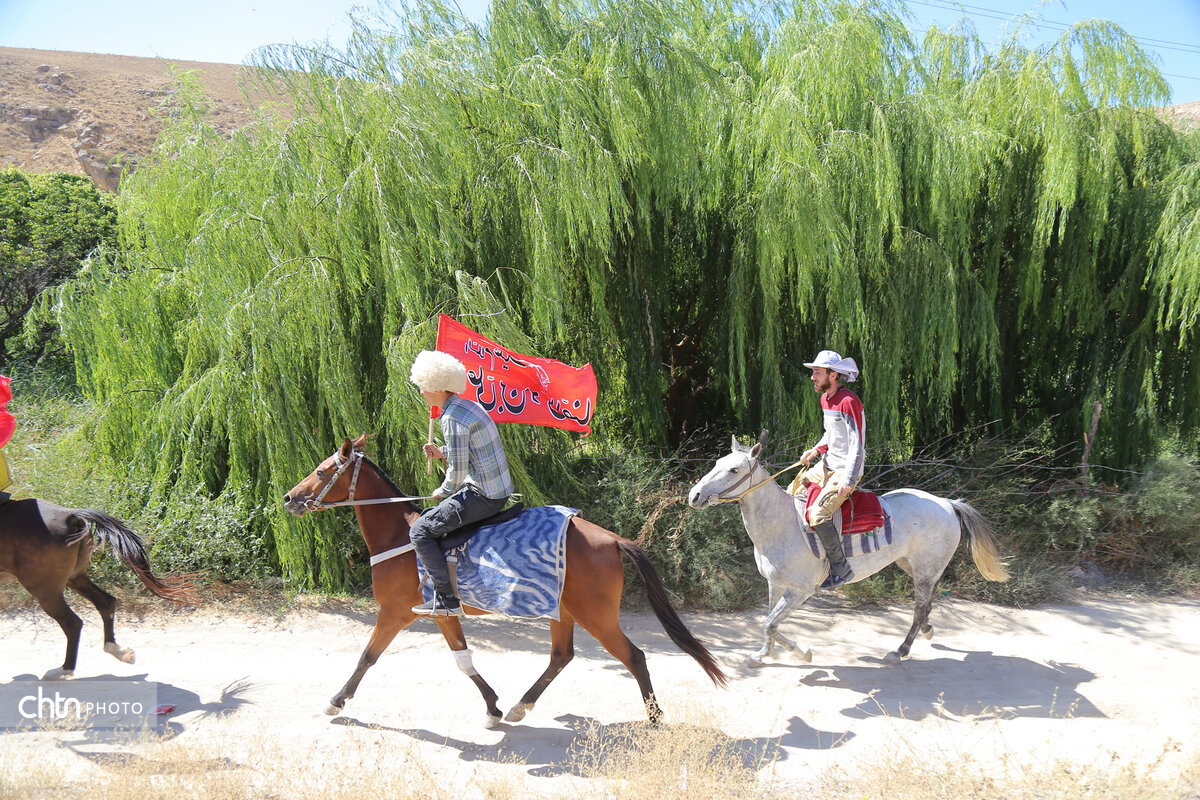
(925, 533)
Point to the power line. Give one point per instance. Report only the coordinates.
(1164, 74)
(990, 13)
(1003, 16)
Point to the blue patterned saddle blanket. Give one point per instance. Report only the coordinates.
(516, 567)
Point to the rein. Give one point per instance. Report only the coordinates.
(721, 498)
(356, 458)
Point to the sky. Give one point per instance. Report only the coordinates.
(229, 30)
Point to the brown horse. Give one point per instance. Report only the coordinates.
(591, 594)
(48, 548)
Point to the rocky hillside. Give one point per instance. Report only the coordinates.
(1186, 114)
(92, 114)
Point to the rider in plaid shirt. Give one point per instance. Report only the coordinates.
(473, 452)
(477, 483)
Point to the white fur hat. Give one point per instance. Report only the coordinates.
(831, 359)
(435, 371)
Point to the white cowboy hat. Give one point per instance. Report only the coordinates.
(435, 371)
(831, 359)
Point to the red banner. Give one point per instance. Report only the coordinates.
(7, 423)
(516, 388)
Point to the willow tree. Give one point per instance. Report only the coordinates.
(693, 196)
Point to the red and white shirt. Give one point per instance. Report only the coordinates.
(844, 442)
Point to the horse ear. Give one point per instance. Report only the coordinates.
(737, 446)
(756, 450)
(360, 444)
(346, 445)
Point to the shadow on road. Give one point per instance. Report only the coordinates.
(174, 700)
(981, 684)
(583, 746)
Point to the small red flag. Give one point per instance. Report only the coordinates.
(8, 422)
(516, 388)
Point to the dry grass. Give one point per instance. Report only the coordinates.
(910, 779)
(621, 762)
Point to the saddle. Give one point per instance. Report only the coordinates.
(862, 512)
(512, 563)
(463, 535)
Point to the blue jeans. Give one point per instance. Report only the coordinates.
(464, 507)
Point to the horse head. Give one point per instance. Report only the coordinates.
(332, 481)
(731, 475)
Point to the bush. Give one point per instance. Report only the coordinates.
(48, 226)
(211, 535)
(705, 557)
(1168, 502)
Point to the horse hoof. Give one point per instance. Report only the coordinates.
(806, 656)
(893, 658)
(59, 674)
(927, 631)
(753, 662)
(332, 711)
(123, 654)
(490, 721)
(517, 712)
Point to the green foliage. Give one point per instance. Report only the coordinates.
(1168, 502)
(220, 537)
(48, 225)
(705, 556)
(50, 453)
(889, 585)
(692, 196)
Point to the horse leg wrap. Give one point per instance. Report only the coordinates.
(465, 664)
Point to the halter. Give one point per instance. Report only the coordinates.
(721, 498)
(356, 458)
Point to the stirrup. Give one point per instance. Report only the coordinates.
(439, 607)
(834, 581)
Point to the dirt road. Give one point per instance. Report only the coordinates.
(1102, 681)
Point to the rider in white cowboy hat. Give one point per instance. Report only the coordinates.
(477, 483)
(841, 452)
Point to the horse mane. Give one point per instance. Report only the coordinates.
(391, 483)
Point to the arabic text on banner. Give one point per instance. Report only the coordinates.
(516, 388)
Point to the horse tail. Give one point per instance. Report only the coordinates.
(672, 624)
(983, 541)
(130, 548)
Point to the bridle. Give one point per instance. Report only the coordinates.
(754, 464)
(343, 463)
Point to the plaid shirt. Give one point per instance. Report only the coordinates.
(473, 451)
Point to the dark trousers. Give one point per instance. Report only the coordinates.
(465, 506)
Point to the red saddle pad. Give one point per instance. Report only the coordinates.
(860, 514)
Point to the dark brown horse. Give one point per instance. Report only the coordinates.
(591, 594)
(48, 548)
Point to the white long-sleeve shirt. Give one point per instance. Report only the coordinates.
(844, 442)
